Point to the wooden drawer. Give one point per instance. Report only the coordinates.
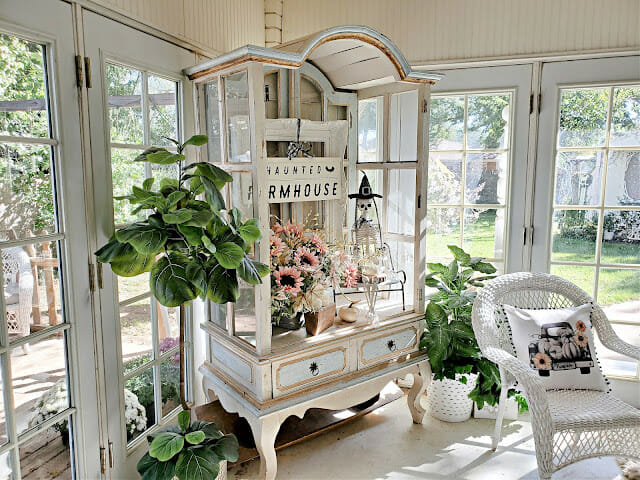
(382, 346)
(296, 373)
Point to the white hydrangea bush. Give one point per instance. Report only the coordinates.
(134, 413)
(56, 400)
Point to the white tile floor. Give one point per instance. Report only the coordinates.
(385, 444)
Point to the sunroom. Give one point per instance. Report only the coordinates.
(290, 239)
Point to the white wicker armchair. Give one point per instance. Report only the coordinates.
(18, 290)
(568, 426)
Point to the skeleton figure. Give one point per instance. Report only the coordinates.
(363, 206)
(365, 232)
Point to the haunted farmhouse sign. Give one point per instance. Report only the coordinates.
(304, 179)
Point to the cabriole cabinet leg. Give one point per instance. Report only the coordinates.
(264, 434)
(421, 379)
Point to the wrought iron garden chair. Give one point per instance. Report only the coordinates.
(568, 425)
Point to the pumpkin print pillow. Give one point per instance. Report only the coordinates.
(558, 345)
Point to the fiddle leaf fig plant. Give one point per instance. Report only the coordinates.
(192, 247)
(190, 451)
(449, 337)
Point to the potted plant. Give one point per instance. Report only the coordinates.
(194, 451)
(609, 226)
(190, 242)
(461, 374)
(300, 267)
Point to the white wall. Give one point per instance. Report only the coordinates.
(217, 25)
(439, 31)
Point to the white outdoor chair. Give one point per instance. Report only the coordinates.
(18, 291)
(568, 425)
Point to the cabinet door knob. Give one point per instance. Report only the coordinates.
(391, 345)
(314, 369)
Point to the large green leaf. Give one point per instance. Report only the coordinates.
(194, 438)
(143, 156)
(198, 463)
(145, 238)
(437, 268)
(438, 345)
(164, 157)
(125, 260)
(227, 448)
(210, 429)
(435, 315)
(223, 285)
(459, 254)
(218, 176)
(153, 469)
(466, 350)
(192, 234)
(169, 282)
(213, 195)
(200, 218)
(166, 445)
(462, 330)
(229, 255)
(174, 198)
(179, 216)
(184, 420)
(208, 244)
(198, 276)
(196, 140)
(484, 267)
(110, 250)
(251, 271)
(250, 231)
(489, 370)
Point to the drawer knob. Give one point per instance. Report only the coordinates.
(313, 368)
(391, 345)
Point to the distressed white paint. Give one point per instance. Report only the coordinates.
(439, 31)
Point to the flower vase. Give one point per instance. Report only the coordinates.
(317, 322)
(287, 321)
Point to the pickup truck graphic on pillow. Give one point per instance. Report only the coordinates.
(560, 347)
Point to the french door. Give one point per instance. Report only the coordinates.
(48, 400)
(587, 190)
(478, 148)
(138, 98)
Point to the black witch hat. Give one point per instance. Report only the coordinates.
(364, 192)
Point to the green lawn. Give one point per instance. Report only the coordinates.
(581, 250)
(479, 238)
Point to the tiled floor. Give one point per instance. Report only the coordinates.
(386, 445)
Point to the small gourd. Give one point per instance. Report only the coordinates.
(555, 352)
(571, 351)
(544, 345)
(555, 343)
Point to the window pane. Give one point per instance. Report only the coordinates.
(129, 287)
(241, 193)
(170, 383)
(443, 228)
(446, 129)
(163, 117)
(445, 174)
(212, 113)
(23, 102)
(3, 418)
(139, 404)
(403, 128)
(163, 171)
(244, 316)
(574, 235)
(583, 117)
(236, 92)
(39, 381)
(124, 86)
(401, 201)
(486, 178)
(625, 124)
(487, 120)
(484, 232)
(578, 177)
(619, 293)
(26, 189)
(32, 289)
(47, 455)
(402, 256)
(621, 237)
(369, 125)
(135, 334)
(125, 173)
(219, 314)
(623, 178)
(581, 276)
(168, 327)
(6, 463)
(310, 100)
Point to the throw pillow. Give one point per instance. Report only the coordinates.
(558, 344)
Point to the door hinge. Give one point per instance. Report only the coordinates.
(350, 120)
(103, 460)
(100, 282)
(539, 101)
(110, 454)
(530, 104)
(425, 106)
(92, 282)
(266, 93)
(527, 235)
(87, 71)
(79, 75)
(419, 201)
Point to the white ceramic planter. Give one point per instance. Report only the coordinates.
(491, 412)
(448, 400)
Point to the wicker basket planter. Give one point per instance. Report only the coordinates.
(317, 322)
(448, 399)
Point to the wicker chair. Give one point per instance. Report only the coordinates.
(18, 291)
(568, 425)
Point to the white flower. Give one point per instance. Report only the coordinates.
(134, 413)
